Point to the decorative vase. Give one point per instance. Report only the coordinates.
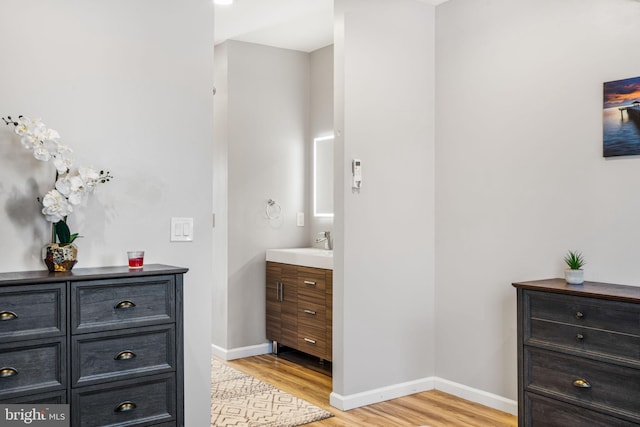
(60, 258)
(574, 277)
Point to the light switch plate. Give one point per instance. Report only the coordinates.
(300, 219)
(181, 230)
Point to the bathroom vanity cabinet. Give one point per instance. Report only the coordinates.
(299, 308)
(578, 354)
(107, 341)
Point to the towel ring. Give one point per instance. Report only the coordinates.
(273, 209)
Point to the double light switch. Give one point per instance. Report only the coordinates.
(181, 229)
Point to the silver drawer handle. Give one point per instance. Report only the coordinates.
(124, 305)
(579, 337)
(310, 312)
(579, 315)
(125, 355)
(8, 372)
(310, 341)
(125, 407)
(309, 282)
(581, 383)
(7, 315)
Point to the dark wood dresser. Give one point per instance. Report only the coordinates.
(108, 341)
(578, 354)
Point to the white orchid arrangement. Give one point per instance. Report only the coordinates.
(71, 185)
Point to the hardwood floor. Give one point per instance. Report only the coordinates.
(433, 408)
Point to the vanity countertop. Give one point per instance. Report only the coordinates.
(308, 257)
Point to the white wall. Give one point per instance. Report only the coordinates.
(220, 261)
(384, 251)
(128, 86)
(519, 167)
(268, 148)
(320, 125)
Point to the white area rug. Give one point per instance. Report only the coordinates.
(240, 400)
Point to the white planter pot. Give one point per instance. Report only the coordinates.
(574, 277)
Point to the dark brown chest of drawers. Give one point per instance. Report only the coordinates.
(578, 354)
(107, 341)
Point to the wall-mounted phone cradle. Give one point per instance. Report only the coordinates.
(356, 169)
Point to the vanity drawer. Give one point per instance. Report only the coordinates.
(115, 356)
(145, 401)
(583, 339)
(611, 387)
(106, 305)
(582, 311)
(35, 311)
(312, 311)
(32, 367)
(553, 413)
(312, 340)
(311, 281)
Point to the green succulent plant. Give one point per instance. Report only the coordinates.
(574, 260)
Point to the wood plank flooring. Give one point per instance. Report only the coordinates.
(433, 408)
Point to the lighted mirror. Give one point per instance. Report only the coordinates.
(323, 176)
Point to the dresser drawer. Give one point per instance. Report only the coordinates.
(551, 413)
(105, 305)
(582, 339)
(53, 398)
(108, 356)
(582, 311)
(35, 311)
(612, 388)
(32, 367)
(145, 401)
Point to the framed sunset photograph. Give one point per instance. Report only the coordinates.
(621, 118)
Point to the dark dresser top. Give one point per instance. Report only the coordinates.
(607, 291)
(44, 276)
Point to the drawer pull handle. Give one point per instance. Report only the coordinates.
(8, 315)
(125, 355)
(8, 372)
(579, 315)
(309, 282)
(125, 407)
(310, 341)
(581, 383)
(310, 312)
(124, 305)
(579, 337)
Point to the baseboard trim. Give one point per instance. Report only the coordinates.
(478, 396)
(345, 403)
(239, 353)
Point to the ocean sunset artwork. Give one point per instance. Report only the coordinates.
(621, 118)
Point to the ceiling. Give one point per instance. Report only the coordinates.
(304, 25)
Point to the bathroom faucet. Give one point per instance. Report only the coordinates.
(326, 238)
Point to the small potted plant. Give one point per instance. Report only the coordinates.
(574, 275)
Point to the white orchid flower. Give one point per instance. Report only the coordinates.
(55, 206)
(40, 152)
(72, 187)
(63, 158)
(90, 177)
(29, 141)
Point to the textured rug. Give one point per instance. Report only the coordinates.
(240, 400)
